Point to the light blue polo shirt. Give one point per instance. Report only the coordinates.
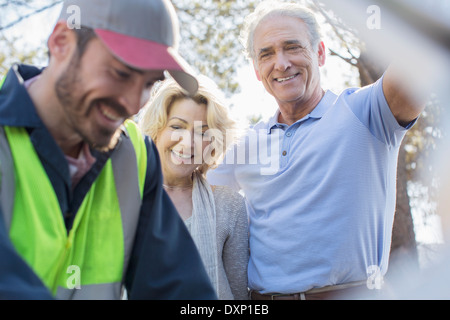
(320, 193)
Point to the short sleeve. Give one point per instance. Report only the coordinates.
(370, 106)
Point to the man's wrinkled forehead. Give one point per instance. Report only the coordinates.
(279, 30)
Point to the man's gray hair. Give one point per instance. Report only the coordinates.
(274, 8)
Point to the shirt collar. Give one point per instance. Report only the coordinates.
(273, 122)
(317, 113)
(16, 106)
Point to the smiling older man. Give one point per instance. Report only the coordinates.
(321, 223)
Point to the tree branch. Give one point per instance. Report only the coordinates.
(14, 2)
(29, 15)
(336, 26)
(348, 60)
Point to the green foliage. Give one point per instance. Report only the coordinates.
(209, 38)
(12, 54)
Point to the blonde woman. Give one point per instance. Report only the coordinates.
(191, 135)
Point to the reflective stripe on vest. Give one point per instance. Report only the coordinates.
(2, 81)
(7, 185)
(90, 261)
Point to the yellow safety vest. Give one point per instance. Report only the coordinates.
(89, 262)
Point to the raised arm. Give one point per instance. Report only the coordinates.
(405, 104)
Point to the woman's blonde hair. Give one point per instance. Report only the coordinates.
(153, 117)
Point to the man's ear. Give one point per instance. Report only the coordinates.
(256, 71)
(62, 41)
(321, 54)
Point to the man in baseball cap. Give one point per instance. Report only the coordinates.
(141, 33)
(82, 209)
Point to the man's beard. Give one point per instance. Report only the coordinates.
(66, 86)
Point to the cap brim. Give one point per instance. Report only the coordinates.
(148, 55)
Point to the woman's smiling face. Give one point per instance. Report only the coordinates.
(180, 143)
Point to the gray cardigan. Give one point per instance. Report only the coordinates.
(232, 243)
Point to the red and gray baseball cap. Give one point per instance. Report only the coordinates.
(141, 33)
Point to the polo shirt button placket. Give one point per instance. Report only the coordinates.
(287, 134)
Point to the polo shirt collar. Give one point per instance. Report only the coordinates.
(16, 106)
(317, 113)
(273, 122)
